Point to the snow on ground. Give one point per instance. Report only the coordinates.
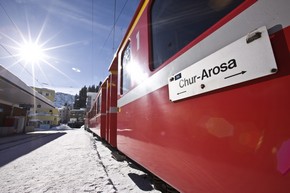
(65, 160)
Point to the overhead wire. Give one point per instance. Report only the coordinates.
(114, 24)
(92, 57)
(13, 56)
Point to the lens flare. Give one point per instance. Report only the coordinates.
(31, 53)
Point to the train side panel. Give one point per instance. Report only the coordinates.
(233, 139)
(112, 104)
(97, 117)
(94, 120)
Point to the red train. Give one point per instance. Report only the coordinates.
(199, 95)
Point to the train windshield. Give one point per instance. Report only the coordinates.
(174, 24)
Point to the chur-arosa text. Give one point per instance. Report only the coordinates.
(207, 73)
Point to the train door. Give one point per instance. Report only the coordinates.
(96, 115)
(107, 108)
(103, 115)
(111, 105)
(112, 110)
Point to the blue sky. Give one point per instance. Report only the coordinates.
(75, 37)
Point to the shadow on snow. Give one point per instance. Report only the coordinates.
(13, 147)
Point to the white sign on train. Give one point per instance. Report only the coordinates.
(246, 59)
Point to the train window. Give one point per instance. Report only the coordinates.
(99, 104)
(174, 24)
(126, 63)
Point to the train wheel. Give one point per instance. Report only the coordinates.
(159, 184)
(162, 186)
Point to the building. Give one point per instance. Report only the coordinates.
(49, 94)
(16, 99)
(64, 113)
(91, 97)
(44, 117)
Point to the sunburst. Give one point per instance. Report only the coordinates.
(32, 52)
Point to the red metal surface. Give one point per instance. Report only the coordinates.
(94, 125)
(112, 104)
(102, 116)
(234, 139)
(141, 58)
(107, 102)
(97, 120)
(91, 120)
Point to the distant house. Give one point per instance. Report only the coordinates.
(64, 113)
(44, 117)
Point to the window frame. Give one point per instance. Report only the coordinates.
(225, 19)
(122, 91)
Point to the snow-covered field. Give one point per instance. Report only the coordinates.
(66, 160)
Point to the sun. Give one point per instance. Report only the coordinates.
(32, 53)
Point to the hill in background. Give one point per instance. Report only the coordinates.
(62, 98)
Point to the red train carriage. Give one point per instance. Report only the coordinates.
(102, 117)
(203, 94)
(111, 104)
(96, 115)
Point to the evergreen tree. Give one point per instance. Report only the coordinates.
(99, 86)
(76, 103)
(93, 89)
(81, 98)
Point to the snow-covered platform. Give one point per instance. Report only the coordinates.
(66, 160)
